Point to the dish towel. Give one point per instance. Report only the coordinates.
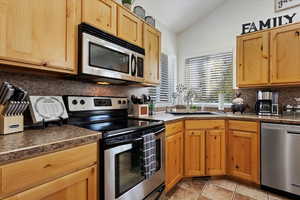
(149, 155)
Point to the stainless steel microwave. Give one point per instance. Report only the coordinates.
(104, 57)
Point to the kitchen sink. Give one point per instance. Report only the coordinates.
(192, 113)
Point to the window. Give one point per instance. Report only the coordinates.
(209, 75)
(162, 94)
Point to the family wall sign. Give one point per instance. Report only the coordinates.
(269, 23)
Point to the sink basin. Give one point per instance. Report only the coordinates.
(192, 113)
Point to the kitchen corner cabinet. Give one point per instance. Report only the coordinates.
(205, 151)
(152, 45)
(101, 14)
(174, 154)
(69, 174)
(285, 61)
(244, 150)
(130, 27)
(253, 59)
(39, 34)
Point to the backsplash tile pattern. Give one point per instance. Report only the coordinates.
(44, 85)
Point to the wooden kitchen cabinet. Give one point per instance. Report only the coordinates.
(130, 27)
(174, 156)
(39, 34)
(253, 59)
(205, 151)
(152, 45)
(81, 185)
(194, 153)
(215, 152)
(285, 61)
(53, 176)
(243, 150)
(101, 14)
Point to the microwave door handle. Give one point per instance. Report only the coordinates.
(133, 65)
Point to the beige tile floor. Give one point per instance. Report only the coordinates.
(222, 189)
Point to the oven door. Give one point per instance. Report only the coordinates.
(123, 171)
(105, 59)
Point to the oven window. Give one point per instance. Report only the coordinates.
(105, 58)
(128, 169)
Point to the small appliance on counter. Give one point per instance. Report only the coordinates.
(12, 106)
(141, 105)
(267, 103)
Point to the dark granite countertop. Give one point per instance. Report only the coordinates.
(168, 118)
(33, 143)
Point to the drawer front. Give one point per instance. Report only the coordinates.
(205, 124)
(27, 173)
(173, 128)
(243, 125)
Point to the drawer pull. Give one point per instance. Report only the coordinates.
(47, 166)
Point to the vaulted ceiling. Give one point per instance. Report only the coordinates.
(178, 15)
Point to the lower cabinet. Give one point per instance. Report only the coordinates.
(204, 148)
(81, 185)
(65, 175)
(244, 150)
(215, 152)
(174, 159)
(194, 153)
(174, 155)
(205, 151)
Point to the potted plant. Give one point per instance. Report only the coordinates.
(128, 3)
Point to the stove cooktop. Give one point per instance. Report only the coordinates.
(120, 126)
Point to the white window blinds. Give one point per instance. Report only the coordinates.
(210, 75)
(162, 94)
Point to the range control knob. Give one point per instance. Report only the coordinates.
(82, 102)
(119, 102)
(74, 102)
(124, 102)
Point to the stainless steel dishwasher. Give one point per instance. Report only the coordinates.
(280, 157)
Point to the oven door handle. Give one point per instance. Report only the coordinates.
(159, 131)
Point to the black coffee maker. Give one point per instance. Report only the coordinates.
(264, 103)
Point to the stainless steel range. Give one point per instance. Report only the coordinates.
(131, 166)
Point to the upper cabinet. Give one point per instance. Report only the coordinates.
(253, 59)
(269, 57)
(101, 14)
(285, 62)
(39, 34)
(130, 27)
(152, 42)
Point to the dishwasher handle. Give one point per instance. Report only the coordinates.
(293, 132)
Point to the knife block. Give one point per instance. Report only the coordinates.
(141, 110)
(11, 124)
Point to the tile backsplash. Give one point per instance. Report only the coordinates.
(287, 95)
(44, 85)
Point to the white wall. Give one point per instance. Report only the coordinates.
(217, 32)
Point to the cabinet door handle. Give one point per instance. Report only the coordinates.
(297, 33)
(47, 166)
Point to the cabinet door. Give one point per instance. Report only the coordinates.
(80, 185)
(152, 45)
(215, 152)
(285, 62)
(243, 150)
(130, 27)
(101, 14)
(39, 34)
(253, 60)
(174, 159)
(195, 153)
